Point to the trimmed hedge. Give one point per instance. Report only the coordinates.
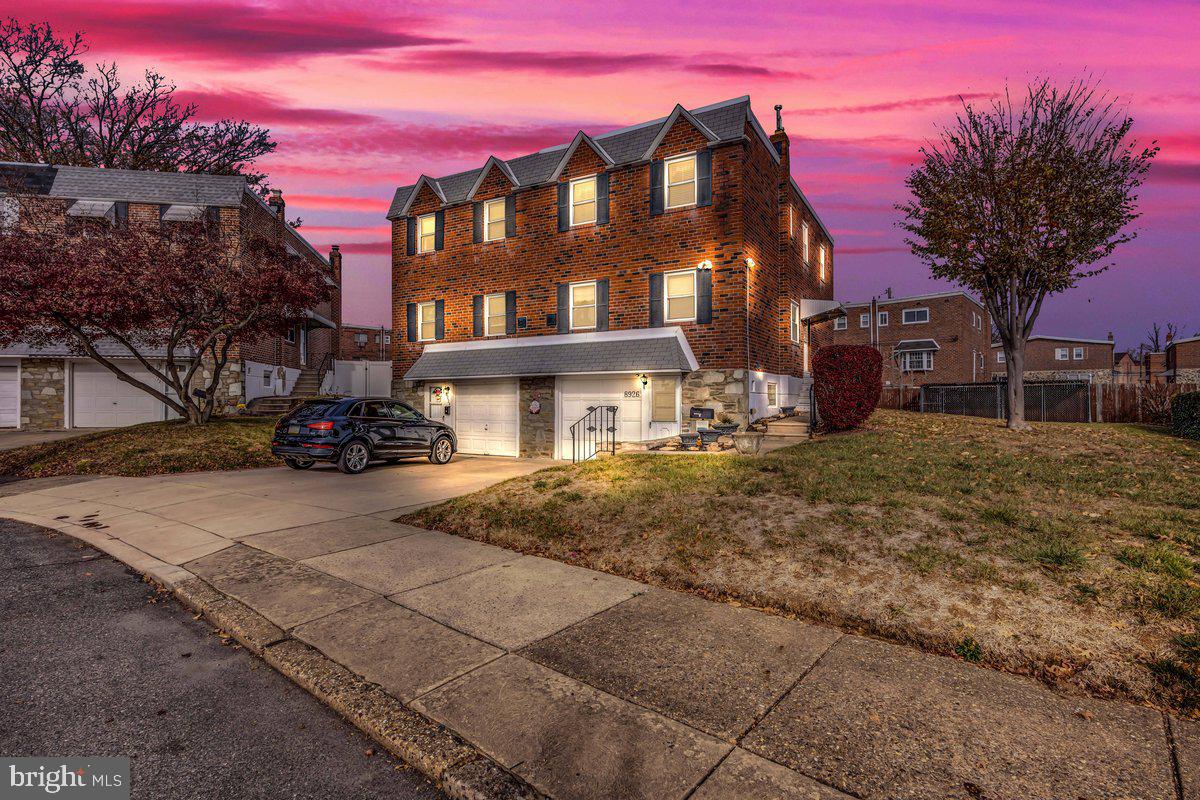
(848, 379)
(1185, 415)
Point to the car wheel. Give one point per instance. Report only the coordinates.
(441, 452)
(298, 463)
(354, 458)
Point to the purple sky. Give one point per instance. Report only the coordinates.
(363, 98)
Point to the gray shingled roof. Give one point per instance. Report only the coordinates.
(108, 348)
(140, 186)
(626, 145)
(651, 354)
(916, 345)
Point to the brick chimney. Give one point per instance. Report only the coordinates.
(1110, 336)
(780, 139)
(275, 201)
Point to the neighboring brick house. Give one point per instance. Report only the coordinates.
(1127, 368)
(1154, 366)
(931, 338)
(56, 386)
(1182, 360)
(657, 267)
(365, 343)
(1063, 358)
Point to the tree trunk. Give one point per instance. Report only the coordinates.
(1014, 359)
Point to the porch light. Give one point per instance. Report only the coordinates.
(706, 264)
(643, 379)
(750, 263)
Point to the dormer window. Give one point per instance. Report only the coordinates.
(583, 201)
(680, 185)
(427, 233)
(493, 220)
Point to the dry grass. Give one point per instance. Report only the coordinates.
(156, 448)
(1070, 553)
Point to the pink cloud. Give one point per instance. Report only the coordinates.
(367, 248)
(894, 105)
(233, 30)
(571, 63)
(264, 108)
(338, 202)
(435, 141)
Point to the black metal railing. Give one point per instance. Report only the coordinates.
(814, 418)
(323, 370)
(595, 433)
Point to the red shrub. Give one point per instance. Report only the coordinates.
(847, 381)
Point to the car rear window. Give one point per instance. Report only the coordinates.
(314, 410)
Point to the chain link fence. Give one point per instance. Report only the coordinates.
(1045, 401)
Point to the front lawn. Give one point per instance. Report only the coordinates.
(1071, 553)
(156, 448)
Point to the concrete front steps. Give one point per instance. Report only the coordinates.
(788, 428)
(307, 385)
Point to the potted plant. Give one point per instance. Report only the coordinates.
(725, 426)
(748, 442)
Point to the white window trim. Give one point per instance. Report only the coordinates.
(290, 336)
(667, 296)
(432, 306)
(1078, 354)
(1000, 357)
(926, 361)
(487, 219)
(841, 323)
(864, 320)
(487, 318)
(420, 237)
(884, 318)
(821, 256)
(695, 181)
(571, 200)
(904, 316)
(571, 305)
(794, 321)
(804, 252)
(772, 385)
(791, 221)
(1062, 354)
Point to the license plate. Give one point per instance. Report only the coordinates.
(293, 430)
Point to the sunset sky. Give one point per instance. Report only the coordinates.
(363, 97)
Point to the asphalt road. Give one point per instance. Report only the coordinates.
(94, 663)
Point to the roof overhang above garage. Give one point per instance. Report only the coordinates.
(916, 346)
(641, 350)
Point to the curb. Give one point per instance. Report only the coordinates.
(460, 770)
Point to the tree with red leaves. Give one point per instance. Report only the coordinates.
(190, 289)
(847, 381)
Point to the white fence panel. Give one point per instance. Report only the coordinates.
(362, 378)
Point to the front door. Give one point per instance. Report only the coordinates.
(302, 337)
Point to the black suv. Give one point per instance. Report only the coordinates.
(353, 431)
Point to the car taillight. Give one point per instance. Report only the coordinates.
(320, 426)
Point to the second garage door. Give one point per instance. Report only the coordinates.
(100, 400)
(10, 394)
(485, 417)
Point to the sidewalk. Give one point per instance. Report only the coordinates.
(587, 685)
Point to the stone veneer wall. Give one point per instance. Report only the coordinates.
(411, 392)
(1187, 375)
(723, 390)
(43, 393)
(537, 430)
(1095, 375)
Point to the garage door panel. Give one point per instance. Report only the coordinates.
(10, 396)
(486, 418)
(579, 394)
(100, 399)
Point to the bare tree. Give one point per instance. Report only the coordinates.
(1158, 336)
(1024, 199)
(52, 111)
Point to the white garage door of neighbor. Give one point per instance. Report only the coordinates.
(579, 393)
(100, 400)
(486, 417)
(10, 393)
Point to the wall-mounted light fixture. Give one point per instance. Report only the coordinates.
(643, 379)
(750, 263)
(706, 264)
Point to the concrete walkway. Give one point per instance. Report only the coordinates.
(587, 685)
(11, 439)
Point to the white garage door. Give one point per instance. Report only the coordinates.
(485, 417)
(100, 400)
(10, 392)
(578, 393)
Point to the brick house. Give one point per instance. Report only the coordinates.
(931, 338)
(56, 386)
(365, 343)
(1063, 358)
(658, 267)
(1182, 360)
(1127, 368)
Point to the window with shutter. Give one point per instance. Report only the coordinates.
(427, 321)
(427, 233)
(583, 201)
(494, 217)
(680, 296)
(494, 310)
(583, 305)
(681, 181)
(794, 321)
